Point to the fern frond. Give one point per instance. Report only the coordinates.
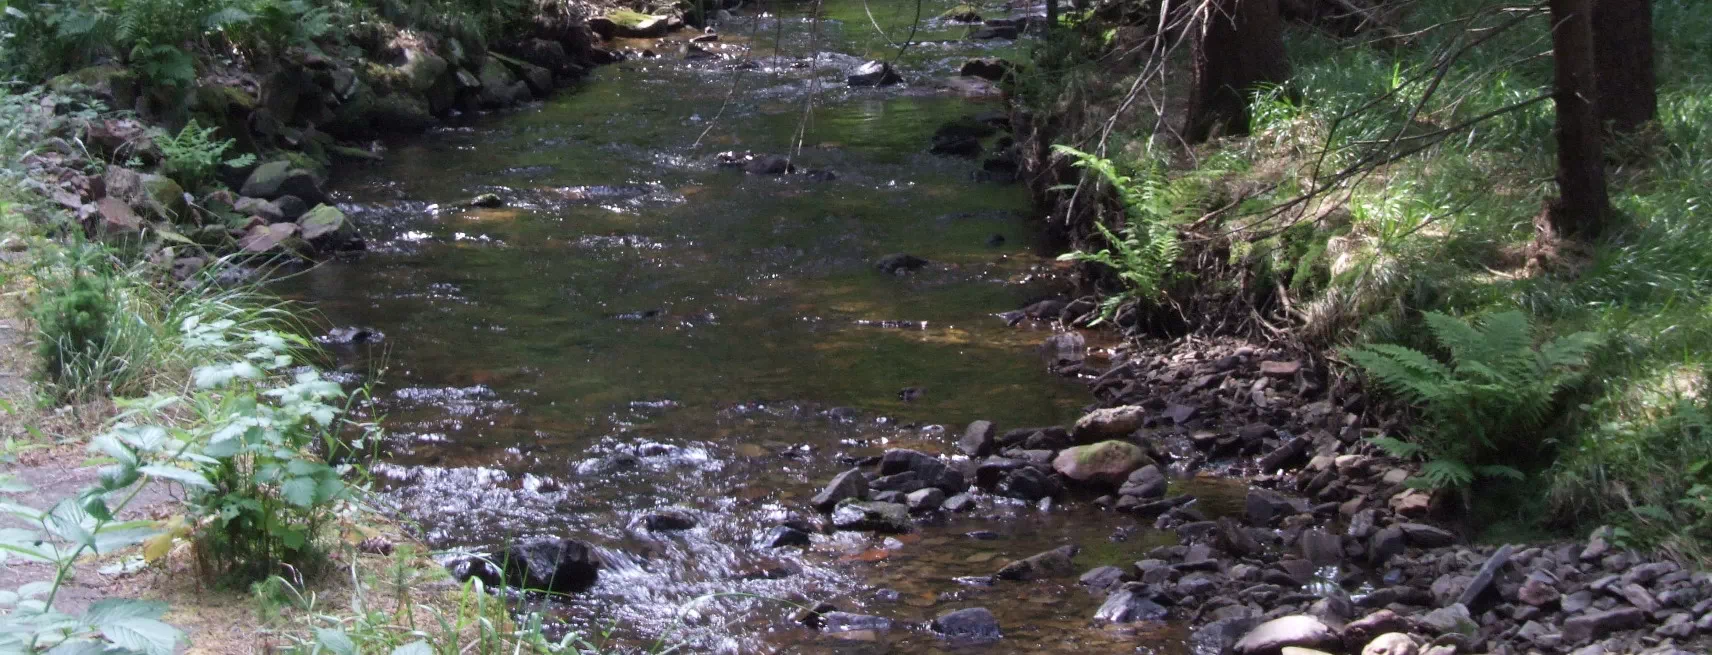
(1397, 447)
(1447, 473)
(1403, 370)
(1465, 342)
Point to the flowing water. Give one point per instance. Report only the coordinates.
(637, 328)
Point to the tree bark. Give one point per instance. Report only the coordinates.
(1583, 203)
(1239, 45)
(1623, 56)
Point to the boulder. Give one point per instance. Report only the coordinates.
(899, 263)
(845, 486)
(885, 518)
(1146, 483)
(1109, 423)
(117, 218)
(326, 227)
(1392, 643)
(1220, 635)
(782, 536)
(1596, 625)
(874, 73)
(1102, 578)
(987, 69)
(1131, 603)
(277, 178)
(1106, 464)
(560, 566)
(624, 23)
(266, 209)
(1421, 535)
(1028, 483)
(970, 625)
(152, 194)
(924, 500)
(421, 69)
(1050, 564)
(267, 238)
(670, 520)
(1453, 619)
(962, 14)
(978, 439)
(539, 79)
(1271, 637)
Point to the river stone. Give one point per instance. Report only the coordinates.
(421, 69)
(1271, 637)
(266, 209)
(1386, 543)
(325, 224)
(1030, 484)
(1595, 625)
(1482, 581)
(874, 73)
(1102, 578)
(267, 238)
(552, 565)
(1391, 643)
(930, 470)
(1421, 535)
(1147, 483)
(767, 165)
(924, 500)
(970, 625)
(847, 485)
(845, 622)
(1050, 564)
(1104, 464)
(1109, 423)
(264, 182)
(1453, 619)
(628, 24)
(885, 518)
(669, 521)
(1131, 603)
(1539, 590)
(782, 536)
(987, 69)
(899, 263)
(1322, 548)
(958, 503)
(978, 439)
(1220, 635)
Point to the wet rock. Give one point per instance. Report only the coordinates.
(955, 145)
(1106, 464)
(1321, 548)
(267, 210)
(291, 208)
(1294, 452)
(958, 503)
(351, 335)
(962, 14)
(874, 73)
(1221, 635)
(885, 518)
(669, 521)
(1008, 32)
(624, 23)
(561, 566)
(1596, 625)
(1103, 578)
(898, 263)
(1387, 543)
(1146, 483)
(904, 482)
(1050, 564)
(1109, 423)
(814, 617)
(1264, 506)
(267, 238)
(782, 536)
(1030, 484)
(845, 486)
(768, 165)
(978, 439)
(1065, 347)
(929, 469)
(1421, 535)
(970, 625)
(488, 200)
(924, 500)
(1391, 643)
(327, 228)
(993, 470)
(861, 626)
(1453, 619)
(1271, 637)
(987, 69)
(1132, 603)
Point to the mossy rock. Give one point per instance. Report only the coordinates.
(422, 69)
(624, 23)
(404, 112)
(166, 197)
(964, 13)
(497, 84)
(540, 80)
(325, 223)
(114, 85)
(219, 99)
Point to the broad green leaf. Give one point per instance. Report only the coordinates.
(10, 484)
(69, 522)
(103, 612)
(299, 491)
(182, 476)
(79, 647)
(335, 641)
(146, 636)
(113, 447)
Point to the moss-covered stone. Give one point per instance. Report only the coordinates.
(964, 13)
(496, 80)
(114, 85)
(422, 69)
(403, 112)
(539, 79)
(325, 223)
(625, 23)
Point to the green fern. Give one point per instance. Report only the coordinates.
(1487, 404)
(1142, 251)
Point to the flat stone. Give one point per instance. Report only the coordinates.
(1109, 423)
(846, 485)
(1280, 369)
(1105, 464)
(886, 518)
(1053, 563)
(1131, 603)
(1391, 643)
(1271, 637)
(1421, 535)
(1103, 578)
(1483, 580)
(1596, 625)
(970, 625)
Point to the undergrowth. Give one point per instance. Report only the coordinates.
(1445, 229)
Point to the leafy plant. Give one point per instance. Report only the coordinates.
(1142, 251)
(85, 525)
(73, 324)
(1487, 404)
(193, 156)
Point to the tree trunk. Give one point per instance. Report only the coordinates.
(1051, 15)
(1582, 204)
(1623, 56)
(1239, 45)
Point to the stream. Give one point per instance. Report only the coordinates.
(639, 328)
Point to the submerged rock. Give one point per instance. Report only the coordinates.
(859, 626)
(971, 625)
(1131, 603)
(782, 536)
(899, 263)
(670, 520)
(560, 566)
(987, 69)
(885, 518)
(1050, 564)
(874, 73)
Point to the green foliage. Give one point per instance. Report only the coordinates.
(73, 330)
(1486, 407)
(80, 526)
(194, 156)
(1143, 249)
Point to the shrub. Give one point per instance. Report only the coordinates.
(193, 156)
(1484, 407)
